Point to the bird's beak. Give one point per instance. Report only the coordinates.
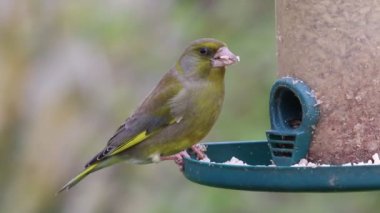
(224, 57)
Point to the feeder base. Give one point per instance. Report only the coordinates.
(258, 176)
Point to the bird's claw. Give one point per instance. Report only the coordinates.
(178, 158)
(198, 149)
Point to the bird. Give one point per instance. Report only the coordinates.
(176, 115)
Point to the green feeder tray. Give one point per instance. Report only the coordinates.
(294, 114)
(258, 176)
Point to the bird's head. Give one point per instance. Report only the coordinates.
(204, 55)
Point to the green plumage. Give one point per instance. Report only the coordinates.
(177, 114)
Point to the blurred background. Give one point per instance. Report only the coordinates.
(72, 71)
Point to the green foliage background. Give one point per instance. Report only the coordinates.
(72, 71)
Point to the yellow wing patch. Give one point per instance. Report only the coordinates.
(137, 139)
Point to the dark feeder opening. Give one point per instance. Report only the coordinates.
(289, 108)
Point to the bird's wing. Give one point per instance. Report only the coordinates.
(153, 114)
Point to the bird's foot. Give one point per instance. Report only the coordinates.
(178, 158)
(199, 150)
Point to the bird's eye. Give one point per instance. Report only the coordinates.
(203, 51)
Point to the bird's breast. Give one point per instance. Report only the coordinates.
(199, 104)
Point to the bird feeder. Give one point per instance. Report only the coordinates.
(324, 108)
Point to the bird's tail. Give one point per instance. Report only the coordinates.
(79, 177)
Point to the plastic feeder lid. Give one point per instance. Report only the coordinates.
(258, 176)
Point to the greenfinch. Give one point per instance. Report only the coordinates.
(175, 116)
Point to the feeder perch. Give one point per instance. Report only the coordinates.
(331, 51)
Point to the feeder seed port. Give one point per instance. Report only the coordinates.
(294, 113)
